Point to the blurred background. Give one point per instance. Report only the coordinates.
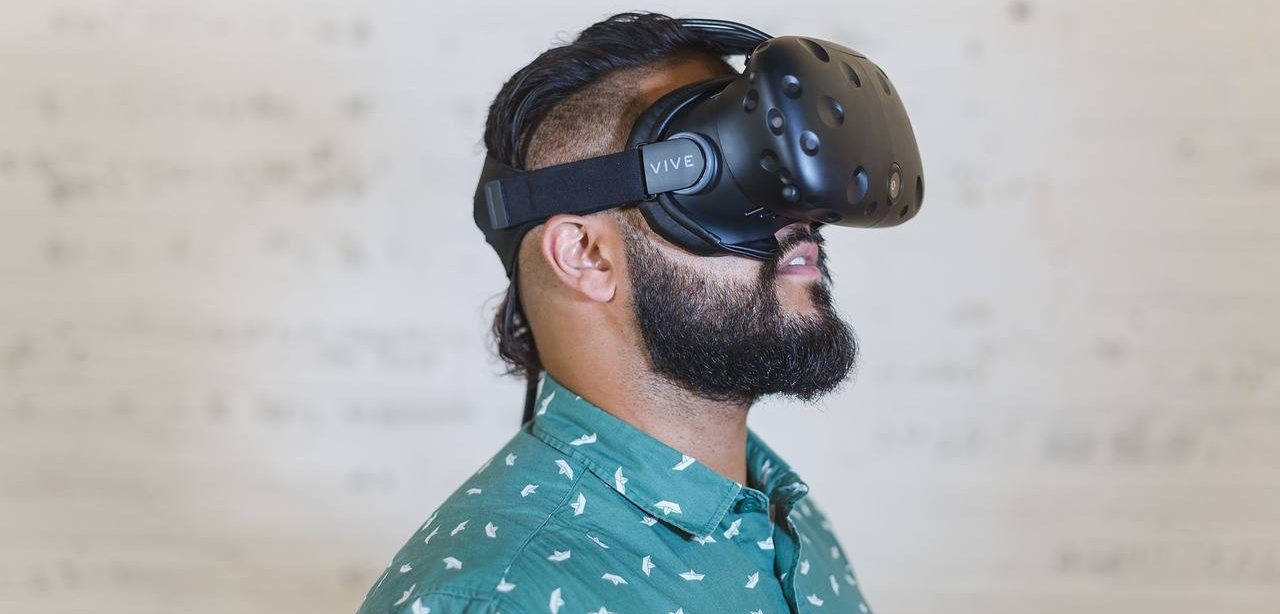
(243, 308)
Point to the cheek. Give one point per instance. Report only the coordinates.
(736, 269)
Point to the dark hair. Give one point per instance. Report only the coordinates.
(625, 40)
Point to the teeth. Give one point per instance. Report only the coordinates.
(797, 261)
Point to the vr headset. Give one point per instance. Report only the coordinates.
(810, 131)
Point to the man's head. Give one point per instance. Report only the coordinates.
(722, 327)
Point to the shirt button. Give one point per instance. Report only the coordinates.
(748, 504)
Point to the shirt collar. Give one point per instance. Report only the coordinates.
(657, 478)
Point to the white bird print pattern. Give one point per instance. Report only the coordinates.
(733, 528)
(619, 481)
(668, 507)
(557, 601)
(405, 596)
(598, 542)
(685, 461)
(565, 469)
(545, 402)
(692, 576)
(698, 543)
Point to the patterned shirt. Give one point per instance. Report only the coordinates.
(582, 513)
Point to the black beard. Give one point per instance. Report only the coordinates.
(732, 342)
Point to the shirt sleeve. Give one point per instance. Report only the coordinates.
(448, 602)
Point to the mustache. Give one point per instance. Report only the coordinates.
(796, 235)
(793, 237)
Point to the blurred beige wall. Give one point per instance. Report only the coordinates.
(243, 346)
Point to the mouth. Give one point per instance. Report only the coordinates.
(800, 260)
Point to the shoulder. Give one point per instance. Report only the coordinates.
(459, 558)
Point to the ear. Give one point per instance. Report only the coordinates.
(580, 251)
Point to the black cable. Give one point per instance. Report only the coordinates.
(509, 324)
(530, 395)
(740, 37)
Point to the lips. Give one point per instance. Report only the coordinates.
(802, 259)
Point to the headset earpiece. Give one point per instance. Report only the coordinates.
(661, 216)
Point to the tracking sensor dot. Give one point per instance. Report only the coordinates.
(809, 142)
(851, 74)
(775, 121)
(791, 86)
(831, 112)
(884, 81)
(769, 162)
(858, 186)
(816, 49)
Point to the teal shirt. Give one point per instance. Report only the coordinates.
(582, 513)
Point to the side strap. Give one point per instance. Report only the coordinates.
(580, 187)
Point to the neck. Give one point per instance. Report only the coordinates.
(714, 432)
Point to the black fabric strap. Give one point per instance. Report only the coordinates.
(578, 187)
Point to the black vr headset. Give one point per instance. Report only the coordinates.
(810, 131)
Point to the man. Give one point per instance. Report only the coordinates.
(637, 487)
